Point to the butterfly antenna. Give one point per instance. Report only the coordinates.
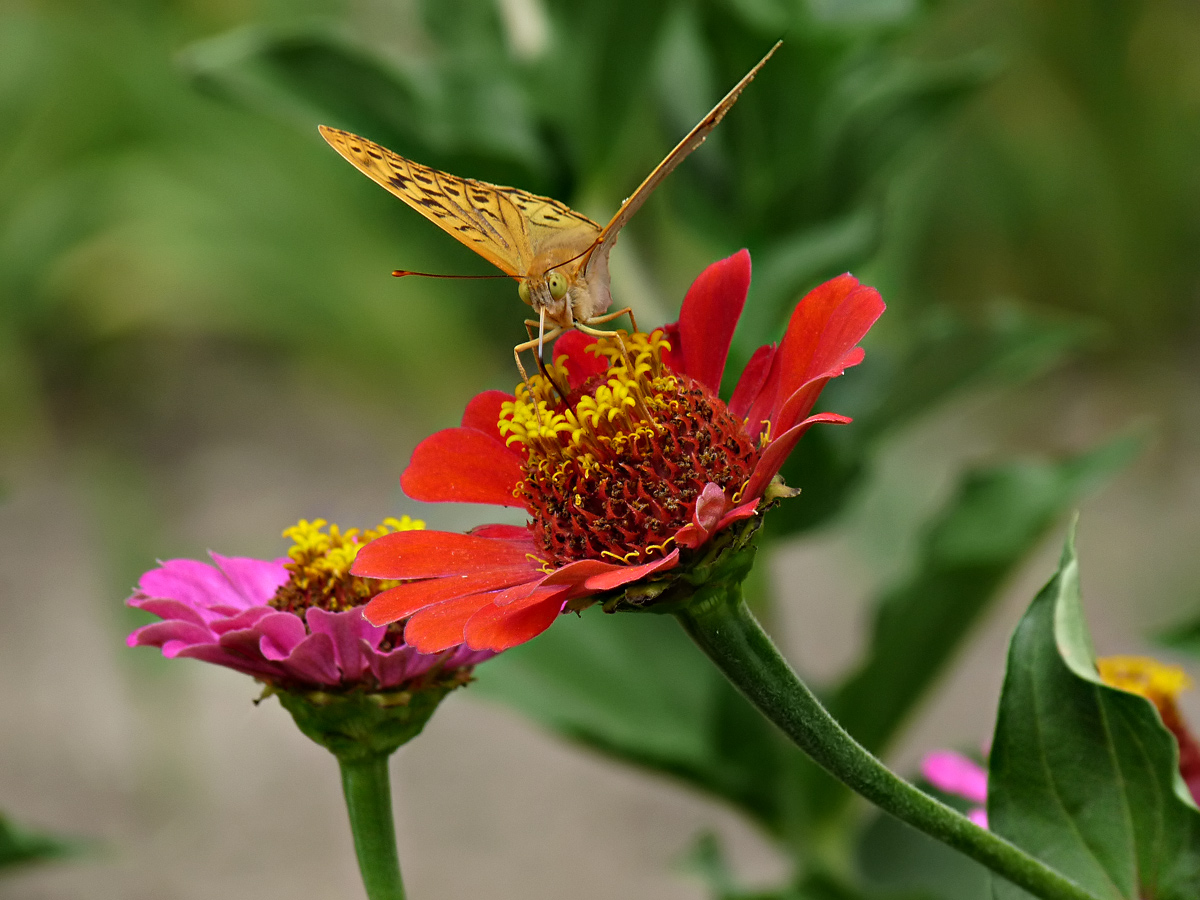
(401, 273)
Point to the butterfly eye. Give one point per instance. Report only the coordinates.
(558, 285)
(523, 290)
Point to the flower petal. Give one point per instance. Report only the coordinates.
(622, 575)
(254, 580)
(500, 627)
(825, 326)
(463, 465)
(180, 633)
(312, 661)
(483, 413)
(954, 773)
(709, 315)
(254, 665)
(350, 634)
(750, 385)
(192, 583)
(443, 625)
(279, 634)
(581, 364)
(404, 600)
(437, 554)
(777, 451)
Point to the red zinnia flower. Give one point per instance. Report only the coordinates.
(624, 457)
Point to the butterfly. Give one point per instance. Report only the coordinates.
(558, 256)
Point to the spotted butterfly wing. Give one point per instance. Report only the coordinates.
(506, 226)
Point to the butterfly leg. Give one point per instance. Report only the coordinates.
(532, 344)
(608, 317)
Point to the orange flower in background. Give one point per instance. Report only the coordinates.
(624, 456)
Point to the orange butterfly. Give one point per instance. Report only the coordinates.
(558, 256)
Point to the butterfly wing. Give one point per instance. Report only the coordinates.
(506, 226)
(599, 254)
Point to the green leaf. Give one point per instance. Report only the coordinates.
(1085, 776)
(636, 688)
(19, 846)
(997, 516)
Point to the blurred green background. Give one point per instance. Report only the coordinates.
(200, 343)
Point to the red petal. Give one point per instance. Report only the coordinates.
(498, 628)
(483, 413)
(801, 402)
(443, 626)
(777, 451)
(581, 363)
(510, 533)
(750, 385)
(437, 554)
(709, 315)
(465, 466)
(405, 599)
(672, 356)
(620, 575)
(824, 328)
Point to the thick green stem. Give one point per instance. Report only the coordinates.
(719, 622)
(369, 802)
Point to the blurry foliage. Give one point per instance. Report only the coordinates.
(19, 846)
(172, 228)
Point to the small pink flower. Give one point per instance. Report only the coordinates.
(953, 773)
(291, 622)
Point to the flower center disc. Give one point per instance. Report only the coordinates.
(614, 465)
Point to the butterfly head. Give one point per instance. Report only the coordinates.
(549, 292)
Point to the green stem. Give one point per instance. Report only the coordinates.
(369, 802)
(719, 622)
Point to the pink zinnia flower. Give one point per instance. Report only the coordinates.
(958, 775)
(294, 623)
(624, 457)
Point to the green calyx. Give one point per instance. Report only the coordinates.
(357, 725)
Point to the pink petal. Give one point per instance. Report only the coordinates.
(955, 774)
(463, 465)
(978, 815)
(175, 632)
(312, 661)
(253, 665)
(255, 580)
(398, 665)
(170, 609)
(279, 634)
(245, 619)
(777, 451)
(709, 316)
(350, 633)
(191, 583)
(436, 554)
